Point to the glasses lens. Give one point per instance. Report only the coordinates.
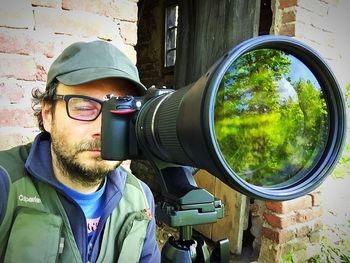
(271, 118)
(83, 109)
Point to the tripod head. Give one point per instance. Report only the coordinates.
(186, 205)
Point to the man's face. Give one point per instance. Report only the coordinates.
(76, 149)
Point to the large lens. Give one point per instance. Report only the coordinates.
(271, 118)
(268, 120)
(278, 118)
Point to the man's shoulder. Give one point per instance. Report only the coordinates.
(4, 192)
(19, 152)
(12, 160)
(132, 179)
(11, 169)
(138, 183)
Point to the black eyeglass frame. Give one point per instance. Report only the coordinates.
(67, 97)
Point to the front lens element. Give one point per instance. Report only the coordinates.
(271, 118)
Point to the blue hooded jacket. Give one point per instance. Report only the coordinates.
(39, 165)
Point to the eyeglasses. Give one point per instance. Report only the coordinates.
(80, 107)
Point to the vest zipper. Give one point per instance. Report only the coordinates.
(61, 246)
(89, 251)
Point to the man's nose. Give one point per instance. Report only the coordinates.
(96, 127)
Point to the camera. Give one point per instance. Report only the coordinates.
(268, 119)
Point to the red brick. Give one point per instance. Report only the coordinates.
(287, 30)
(287, 3)
(307, 229)
(128, 32)
(11, 92)
(9, 140)
(17, 66)
(291, 205)
(122, 9)
(41, 73)
(278, 235)
(257, 208)
(98, 7)
(276, 206)
(17, 118)
(309, 214)
(288, 17)
(15, 136)
(16, 14)
(75, 23)
(276, 220)
(24, 44)
(303, 230)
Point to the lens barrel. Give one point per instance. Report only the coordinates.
(268, 119)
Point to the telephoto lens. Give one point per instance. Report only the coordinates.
(268, 119)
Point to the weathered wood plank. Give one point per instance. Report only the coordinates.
(236, 212)
(234, 222)
(207, 29)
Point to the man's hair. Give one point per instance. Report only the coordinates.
(38, 97)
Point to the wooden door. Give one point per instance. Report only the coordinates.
(236, 207)
(206, 30)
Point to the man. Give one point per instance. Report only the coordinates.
(59, 201)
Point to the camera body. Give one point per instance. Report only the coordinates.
(118, 133)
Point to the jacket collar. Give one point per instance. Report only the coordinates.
(39, 165)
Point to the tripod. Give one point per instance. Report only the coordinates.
(185, 205)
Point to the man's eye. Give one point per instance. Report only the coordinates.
(82, 104)
(84, 107)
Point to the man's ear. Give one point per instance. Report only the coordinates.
(46, 113)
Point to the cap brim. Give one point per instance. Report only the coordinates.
(90, 74)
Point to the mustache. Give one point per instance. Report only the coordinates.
(89, 145)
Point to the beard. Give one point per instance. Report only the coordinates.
(70, 160)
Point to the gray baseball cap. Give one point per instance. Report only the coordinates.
(83, 62)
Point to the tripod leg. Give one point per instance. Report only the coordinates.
(174, 252)
(221, 252)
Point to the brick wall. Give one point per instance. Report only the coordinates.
(293, 228)
(320, 24)
(33, 33)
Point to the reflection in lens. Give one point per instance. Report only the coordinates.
(271, 120)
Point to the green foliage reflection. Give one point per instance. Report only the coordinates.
(270, 117)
